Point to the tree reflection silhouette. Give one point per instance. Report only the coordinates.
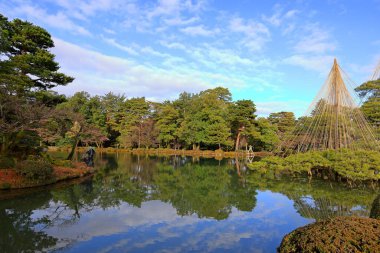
(205, 188)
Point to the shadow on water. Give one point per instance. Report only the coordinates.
(197, 188)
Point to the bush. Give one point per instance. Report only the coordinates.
(348, 164)
(340, 234)
(6, 162)
(26, 142)
(5, 186)
(63, 163)
(35, 169)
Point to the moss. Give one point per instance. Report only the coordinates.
(341, 234)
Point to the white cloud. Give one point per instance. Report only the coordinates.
(41, 16)
(256, 34)
(199, 30)
(98, 74)
(249, 28)
(280, 16)
(109, 31)
(316, 63)
(113, 42)
(289, 29)
(266, 108)
(227, 57)
(177, 21)
(82, 9)
(317, 40)
(174, 8)
(173, 45)
(165, 7)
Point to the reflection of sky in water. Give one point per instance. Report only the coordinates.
(72, 218)
(156, 227)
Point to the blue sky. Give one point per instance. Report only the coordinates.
(276, 53)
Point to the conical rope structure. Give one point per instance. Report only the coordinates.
(333, 120)
(376, 73)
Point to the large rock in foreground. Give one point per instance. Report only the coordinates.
(340, 234)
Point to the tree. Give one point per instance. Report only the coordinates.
(205, 120)
(28, 63)
(113, 108)
(94, 116)
(370, 91)
(266, 137)
(135, 112)
(242, 116)
(167, 123)
(285, 122)
(74, 134)
(27, 70)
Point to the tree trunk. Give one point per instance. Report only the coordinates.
(237, 141)
(139, 135)
(4, 146)
(73, 147)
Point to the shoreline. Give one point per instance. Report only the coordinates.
(10, 180)
(164, 151)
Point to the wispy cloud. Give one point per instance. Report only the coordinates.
(316, 40)
(199, 30)
(255, 34)
(99, 73)
(113, 42)
(41, 16)
(177, 21)
(315, 63)
(280, 15)
(82, 10)
(296, 106)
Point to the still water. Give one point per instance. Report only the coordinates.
(170, 204)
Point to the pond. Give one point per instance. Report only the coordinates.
(170, 204)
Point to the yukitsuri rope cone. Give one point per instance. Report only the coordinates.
(333, 120)
(376, 73)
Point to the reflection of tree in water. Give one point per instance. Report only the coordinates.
(317, 199)
(324, 208)
(208, 188)
(205, 190)
(19, 232)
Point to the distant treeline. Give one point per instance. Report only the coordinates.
(205, 120)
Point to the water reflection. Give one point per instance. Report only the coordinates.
(143, 204)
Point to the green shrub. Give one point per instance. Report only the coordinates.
(352, 165)
(35, 169)
(5, 186)
(26, 142)
(6, 162)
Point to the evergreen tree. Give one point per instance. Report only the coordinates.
(242, 116)
(27, 64)
(167, 124)
(370, 92)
